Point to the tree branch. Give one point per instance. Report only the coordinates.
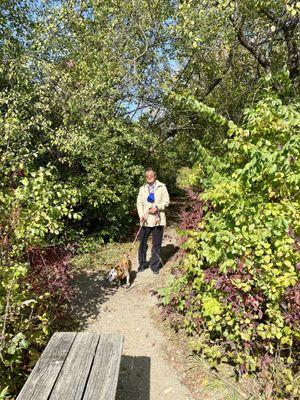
(287, 24)
(237, 22)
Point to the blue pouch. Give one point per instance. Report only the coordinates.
(150, 198)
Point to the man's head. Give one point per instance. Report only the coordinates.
(150, 176)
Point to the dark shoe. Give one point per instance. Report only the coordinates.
(141, 269)
(155, 271)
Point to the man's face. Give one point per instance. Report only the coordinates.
(150, 177)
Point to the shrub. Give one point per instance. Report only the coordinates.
(34, 282)
(239, 294)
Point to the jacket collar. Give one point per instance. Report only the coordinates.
(157, 184)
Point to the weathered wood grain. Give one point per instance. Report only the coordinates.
(74, 374)
(42, 378)
(76, 366)
(103, 379)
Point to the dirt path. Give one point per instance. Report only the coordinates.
(156, 363)
(146, 371)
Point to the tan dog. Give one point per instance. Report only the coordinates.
(121, 271)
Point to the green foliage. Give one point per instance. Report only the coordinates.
(244, 258)
(227, 54)
(87, 101)
(33, 206)
(71, 156)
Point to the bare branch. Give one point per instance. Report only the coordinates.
(238, 23)
(287, 24)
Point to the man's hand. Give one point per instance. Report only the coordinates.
(153, 210)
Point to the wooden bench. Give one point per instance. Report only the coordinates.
(76, 366)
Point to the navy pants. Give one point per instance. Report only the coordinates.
(157, 235)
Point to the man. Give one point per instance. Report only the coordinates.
(153, 199)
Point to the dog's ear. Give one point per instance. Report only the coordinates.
(125, 257)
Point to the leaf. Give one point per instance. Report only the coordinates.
(11, 349)
(24, 181)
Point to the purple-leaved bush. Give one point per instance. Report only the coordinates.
(49, 271)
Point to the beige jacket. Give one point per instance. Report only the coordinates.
(162, 201)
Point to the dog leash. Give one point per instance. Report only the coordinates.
(137, 235)
(135, 239)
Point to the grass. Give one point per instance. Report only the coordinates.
(99, 256)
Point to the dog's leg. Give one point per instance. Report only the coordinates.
(128, 280)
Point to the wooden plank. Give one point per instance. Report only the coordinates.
(74, 374)
(103, 379)
(42, 378)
